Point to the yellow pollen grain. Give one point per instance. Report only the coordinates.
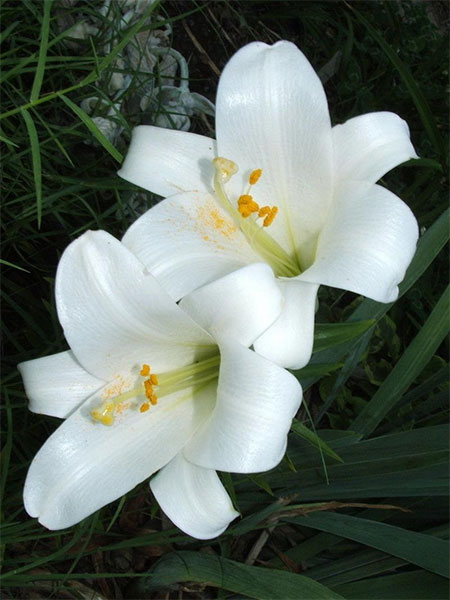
(245, 199)
(145, 370)
(263, 211)
(144, 407)
(153, 399)
(154, 379)
(254, 176)
(271, 216)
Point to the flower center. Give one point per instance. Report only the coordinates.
(151, 387)
(246, 215)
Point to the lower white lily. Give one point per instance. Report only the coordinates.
(304, 199)
(148, 384)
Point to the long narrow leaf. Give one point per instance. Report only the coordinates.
(415, 585)
(40, 68)
(426, 551)
(314, 439)
(254, 582)
(410, 365)
(90, 124)
(327, 335)
(36, 160)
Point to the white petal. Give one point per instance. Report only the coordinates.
(193, 498)
(289, 341)
(85, 465)
(55, 385)
(166, 162)
(187, 241)
(239, 306)
(368, 146)
(272, 113)
(367, 243)
(256, 401)
(115, 314)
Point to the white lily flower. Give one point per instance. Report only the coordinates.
(315, 215)
(148, 384)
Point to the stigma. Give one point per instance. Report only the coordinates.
(225, 168)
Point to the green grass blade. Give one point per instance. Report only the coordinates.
(415, 585)
(5, 34)
(128, 35)
(10, 264)
(327, 335)
(7, 141)
(254, 582)
(99, 136)
(40, 68)
(36, 159)
(313, 439)
(426, 551)
(410, 365)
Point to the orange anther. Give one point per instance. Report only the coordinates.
(244, 211)
(254, 176)
(270, 217)
(245, 199)
(144, 407)
(145, 370)
(148, 389)
(263, 211)
(154, 379)
(153, 399)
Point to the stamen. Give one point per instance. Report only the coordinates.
(145, 370)
(148, 388)
(246, 205)
(271, 216)
(283, 264)
(254, 176)
(263, 211)
(225, 168)
(106, 412)
(189, 376)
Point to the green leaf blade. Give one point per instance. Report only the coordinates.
(252, 582)
(426, 551)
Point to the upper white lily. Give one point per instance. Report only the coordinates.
(148, 384)
(334, 225)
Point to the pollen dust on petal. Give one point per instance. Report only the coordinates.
(209, 217)
(115, 388)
